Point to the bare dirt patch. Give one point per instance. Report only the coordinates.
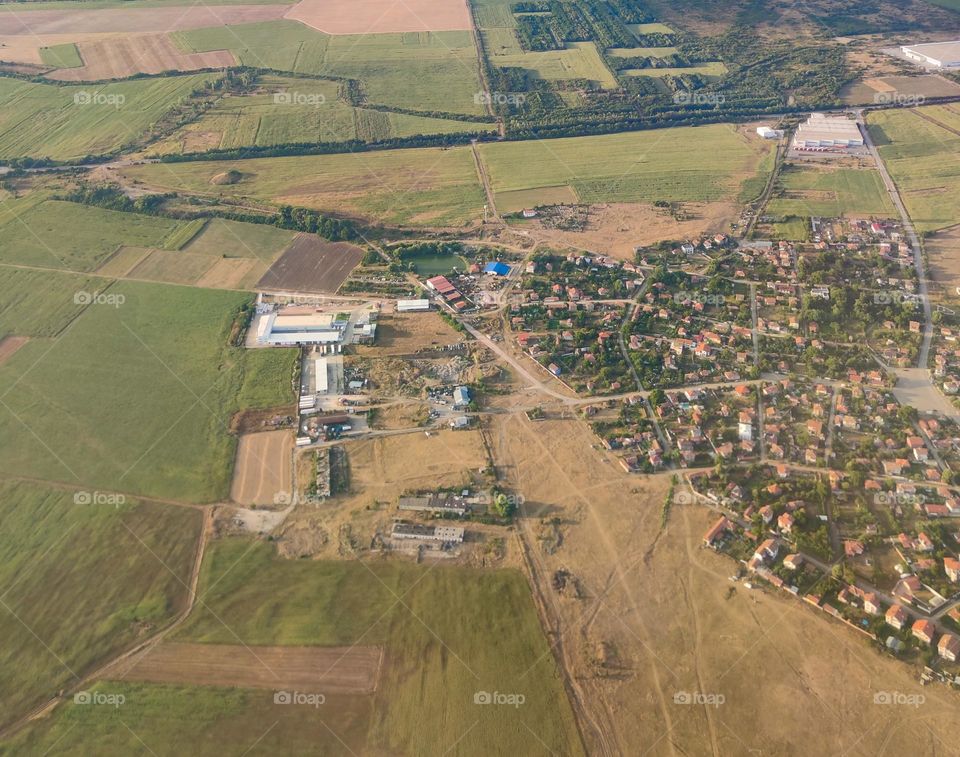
(119, 57)
(408, 333)
(381, 16)
(335, 670)
(943, 252)
(263, 468)
(227, 273)
(310, 264)
(39, 23)
(9, 345)
(616, 229)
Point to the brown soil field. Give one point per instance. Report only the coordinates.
(868, 90)
(656, 623)
(406, 333)
(333, 670)
(172, 267)
(381, 16)
(263, 468)
(119, 57)
(943, 254)
(9, 345)
(310, 264)
(616, 229)
(39, 23)
(228, 273)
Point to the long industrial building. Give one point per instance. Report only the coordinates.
(935, 54)
(821, 131)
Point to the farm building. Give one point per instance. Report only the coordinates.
(767, 133)
(935, 54)
(498, 269)
(412, 306)
(821, 130)
(427, 533)
(461, 396)
(435, 503)
(320, 371)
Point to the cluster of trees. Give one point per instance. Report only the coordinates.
(304, 219)
(577, 21)
(408, 250)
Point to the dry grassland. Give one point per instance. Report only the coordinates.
(382, 16)
(263, 468)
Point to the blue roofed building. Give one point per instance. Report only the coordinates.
(499, 269)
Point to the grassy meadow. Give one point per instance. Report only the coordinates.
(703, 163)
(413, 186)
(256, 120)
(70, 122)
(430, 71)
(580, 60)
(56, 234)
(61, 617)
(40, 303)
(137, 394)
(924, 160)
(61, 56)
(815, 191)
(222, 237)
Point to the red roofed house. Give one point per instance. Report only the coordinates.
(949, 647)
(716, 531)
(952, 568)
(897, 617)
(924, 630)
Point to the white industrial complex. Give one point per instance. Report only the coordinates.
(304, 325)
(821, 131)
(934, 54)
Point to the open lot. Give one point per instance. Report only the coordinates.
(406, 333)
(152, 387)
(331, 670)
(922, 155)
(312, 265)
(69, 122)
(580, 60)
(818, 190)
(416, 186)
(684, 164)
(262, 471)
(379, 16)
(81, 616)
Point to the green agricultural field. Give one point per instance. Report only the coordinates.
(40, 303)
(55, 234)
(415, 186)
(449, 633)
(232, 239)
(240, 121)
(641, 52)
(69, 122)
(80, 582)
(136, 395)
(922, 158)
(811, 191)
(704, 163)
(61, 56)
(429, 71)
(580, 60)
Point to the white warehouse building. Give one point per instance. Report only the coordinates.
(821, 130)
(935, 54)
